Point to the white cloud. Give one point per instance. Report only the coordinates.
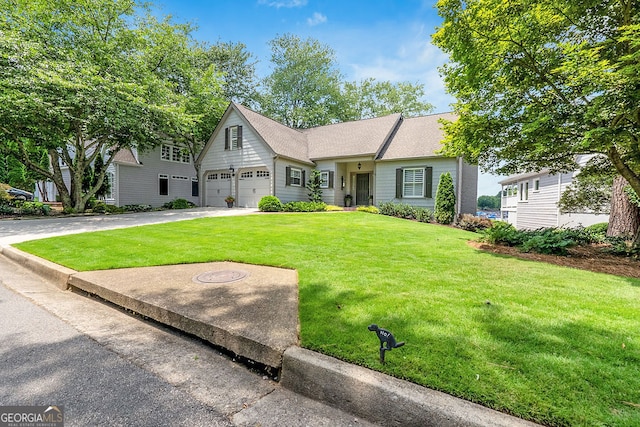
(316, 19)
(283, 3)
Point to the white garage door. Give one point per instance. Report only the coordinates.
(253, 184)
(218, 186)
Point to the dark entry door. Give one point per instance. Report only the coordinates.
(362, 189)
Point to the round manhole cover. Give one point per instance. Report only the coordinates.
(220, 276)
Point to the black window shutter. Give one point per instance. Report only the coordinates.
(226, 138)
(303, 183)
(399, 177)
(288, 175)
(330, 179)
(239, 136)
(428, 182)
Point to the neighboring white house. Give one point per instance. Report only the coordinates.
(530, 201)
(151, 178)
(389, 158)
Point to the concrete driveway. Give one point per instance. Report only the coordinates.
(20, 230)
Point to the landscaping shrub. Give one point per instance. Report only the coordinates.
(137, 208)
(179, 204)
(304, 207)
(33, 208)
(313, 185)
(502, 233)
(597, 232)
(369, 209)
(548, 241)
(6, 209)
(473, 223)
(402, 210)
(102, 207)
(270, 204)
(445, 209)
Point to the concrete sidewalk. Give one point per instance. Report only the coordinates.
(253, 311)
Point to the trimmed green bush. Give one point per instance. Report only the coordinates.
(179, 204)
(502, 233)
(270, 204)
(304, 207)
(403, 210)
(137, 208)
(548, 241)
(445, 209)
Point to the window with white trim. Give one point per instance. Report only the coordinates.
(195, 188)
(110, 179)
(212, 177)
(296, 177)
(262, 174)
(233, 138)
(172, 153)
(225, 175)
(324, 179)
(536, 184)
(163, 184)
(180, 177)
(413, 182)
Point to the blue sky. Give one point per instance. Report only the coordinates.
(383, 39)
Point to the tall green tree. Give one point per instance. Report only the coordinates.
(304, 88)
(445, 203)
(371, 98)
(80, 78)
(538, 82)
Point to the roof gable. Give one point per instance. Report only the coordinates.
(417, 137)
(358, 138)
(283, 140)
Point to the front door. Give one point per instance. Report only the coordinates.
(362, 189)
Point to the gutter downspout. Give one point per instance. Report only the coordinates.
(557, 201)
(459, 179)
(273, 182)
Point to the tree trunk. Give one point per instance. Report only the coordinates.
(624, 219)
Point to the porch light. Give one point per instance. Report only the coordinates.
(231, 169)
(359, 165)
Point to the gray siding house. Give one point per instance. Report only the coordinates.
(530, 201)
(151, 178)
(389, 158)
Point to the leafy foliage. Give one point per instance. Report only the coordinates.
(313, 185)
(489, 202)
(179, 204)
(304, 207)
(539, 82)
(445, 209)
(370, 209)
(473, 223)
(270, 204)
(403, 210)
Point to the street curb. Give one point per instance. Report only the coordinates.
(380, 398)
(55, 273)
(371, 395)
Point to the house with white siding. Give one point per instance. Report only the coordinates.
(530, 200)
(377, 160)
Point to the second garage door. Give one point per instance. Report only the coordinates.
(253, 184)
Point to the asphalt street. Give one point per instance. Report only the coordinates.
(47, 362)
(109, 368)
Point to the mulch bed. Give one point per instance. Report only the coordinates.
(588, 257)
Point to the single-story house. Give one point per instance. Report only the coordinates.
(153, 178)
(530, 200)
(390, 158)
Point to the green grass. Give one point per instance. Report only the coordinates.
(555, 345)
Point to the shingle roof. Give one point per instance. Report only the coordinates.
(283, 140)
(405, 138)
(363, 137)
(417, 137)
(125, 156)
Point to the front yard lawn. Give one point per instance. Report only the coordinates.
(555, 345)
